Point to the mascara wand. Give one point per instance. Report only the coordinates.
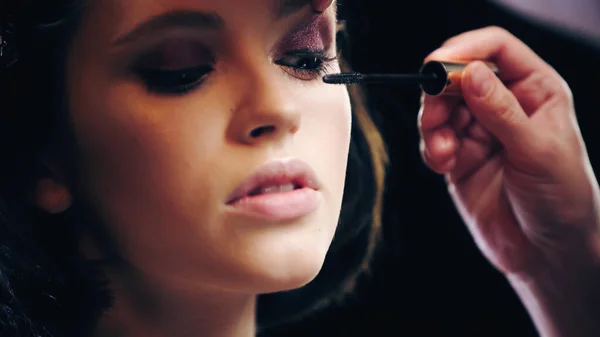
(352, 78)
(435, 78)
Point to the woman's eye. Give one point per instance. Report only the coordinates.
(307, 65)
(175, 67)
(178, 81)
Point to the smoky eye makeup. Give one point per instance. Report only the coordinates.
(308, 51)
(175, 66)
(316, 33)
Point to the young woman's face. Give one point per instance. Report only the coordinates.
(175, 103)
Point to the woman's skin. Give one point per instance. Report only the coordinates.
(160, 167)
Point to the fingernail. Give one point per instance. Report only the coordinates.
(481, 80)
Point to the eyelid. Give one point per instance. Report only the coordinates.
(315, 29)
(174, 55)
(126, 56)
(322, 53)
(181, 81)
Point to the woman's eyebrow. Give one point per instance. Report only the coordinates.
(198, 20)
(176, 19)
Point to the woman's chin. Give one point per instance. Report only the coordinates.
(274, 268)
(284, 259)
(253, 261)
(281, 273)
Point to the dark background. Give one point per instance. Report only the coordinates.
(429, 278)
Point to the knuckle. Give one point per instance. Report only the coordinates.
(542, 87)
(557, 94)
(565, 94)
(539, 89)
(506, 114)
(555, 86)
(506, 105)
(452, 40)
(498, 31)
(494, 31)
(457, 39)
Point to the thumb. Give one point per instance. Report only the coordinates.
(495, 107)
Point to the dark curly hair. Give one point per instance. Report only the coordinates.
(46, 287)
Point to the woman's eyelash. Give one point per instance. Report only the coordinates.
(302, 64)
(308, 63)
(173, 82)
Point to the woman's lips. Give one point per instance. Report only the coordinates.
(279, 190)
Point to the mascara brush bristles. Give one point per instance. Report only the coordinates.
(354, 78)
(345, 78)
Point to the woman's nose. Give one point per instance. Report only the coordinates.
(266, 113)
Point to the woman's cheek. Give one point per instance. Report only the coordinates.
(327, 131)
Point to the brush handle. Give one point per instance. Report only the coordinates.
(396, 78)
(448, 77)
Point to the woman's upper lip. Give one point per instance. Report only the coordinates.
(277, 172)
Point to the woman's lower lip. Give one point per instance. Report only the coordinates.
(278, 206)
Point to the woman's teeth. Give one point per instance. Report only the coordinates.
(274, 189)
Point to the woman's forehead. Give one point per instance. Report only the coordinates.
(279, 7)
(118, 16)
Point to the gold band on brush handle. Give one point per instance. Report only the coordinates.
(448, 77)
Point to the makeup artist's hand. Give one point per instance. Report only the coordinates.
(519, 173)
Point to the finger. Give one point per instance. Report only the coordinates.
(439, 148)
(440, 168)
(461, 119)
(515, 60)
(496, 108)
(480, 134)
(321, 5)
(471, 156)
(464, 124)
(435, 112)
(537, 89)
